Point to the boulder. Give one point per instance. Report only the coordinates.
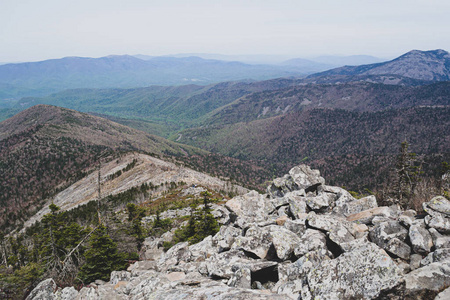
(342, 197)
(439, 223)
(367, 216)
(445, 295)
(305, 177)
(251, 207)
(339, 230)
(296, 226)
(299, 177)
(225, 237)
(420, 239)
(242, 278)
(383, 232)
(357, 206)
(310, 241)
(438, 206)
(202, 250)
(257, 241)
(398, 248)
(436, 256)
(439, 240)
(43, 291)
(427, 281)
(390, 236)
(284, 241)
(117, 276)
(178, 253)
(281, 186)
(221, 214)
(67, 293)
(307, 263)
(321, 201)
(221, 264)
(359, 274)
(297, 204)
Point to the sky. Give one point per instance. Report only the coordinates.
(32, 30)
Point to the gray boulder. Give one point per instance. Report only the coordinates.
(420, 239)
(178, 253)
(305, 177)
(436, 256)
(445, 295)
(367, 216)
(427, 281)
(383, 232)
(437, 206)
(284, 241)
(439, 223)
(297, 204)
(297, 226)
(356, 206)
(359, 274)
(299, 177)
(257, 240)
(439, 240)
(310, 241)
(202, 250)
(390, 236)
(321, 201)
(221, 214)
(251, 207)
(43, 291)
(225, 237)
(67, 293)
(339, 230)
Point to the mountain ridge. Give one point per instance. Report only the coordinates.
(432, 65)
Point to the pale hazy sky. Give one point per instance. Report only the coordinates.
(43, 29)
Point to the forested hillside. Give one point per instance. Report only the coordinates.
(339, 141)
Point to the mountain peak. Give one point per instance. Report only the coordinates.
(432, 65)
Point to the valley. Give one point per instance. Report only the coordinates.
(179, 168)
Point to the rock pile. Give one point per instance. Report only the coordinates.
(300, 240)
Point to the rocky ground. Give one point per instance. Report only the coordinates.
(300, 240)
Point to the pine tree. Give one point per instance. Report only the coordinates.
(101, 257)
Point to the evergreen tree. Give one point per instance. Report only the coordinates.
(101, 257)
(201, 223)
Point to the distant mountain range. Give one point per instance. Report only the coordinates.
(124, 71)
(330, 60)
(45, 77)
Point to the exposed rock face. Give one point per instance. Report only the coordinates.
(302, 240)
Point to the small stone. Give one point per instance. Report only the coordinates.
(281, 220)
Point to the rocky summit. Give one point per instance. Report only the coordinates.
(302, 239)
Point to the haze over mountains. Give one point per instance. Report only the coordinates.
(41, 78)
(241, 119)
(348, 122)
(124, 71)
